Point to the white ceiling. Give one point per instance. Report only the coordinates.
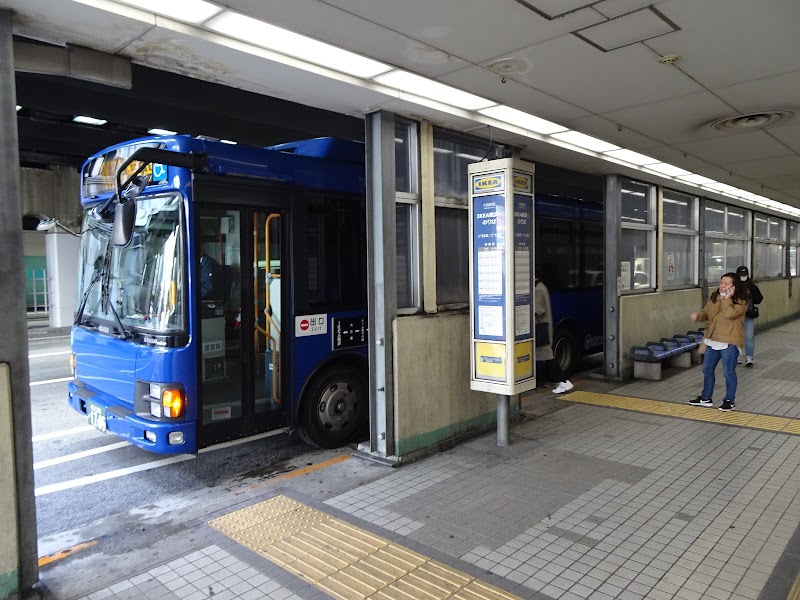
(736, 56)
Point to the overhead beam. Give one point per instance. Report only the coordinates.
(73, 61)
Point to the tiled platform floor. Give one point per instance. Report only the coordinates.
(588, 502)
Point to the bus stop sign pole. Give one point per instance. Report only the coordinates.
(501, 262)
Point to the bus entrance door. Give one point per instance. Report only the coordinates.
(239, 321)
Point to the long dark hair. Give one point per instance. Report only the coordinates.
(737, 293)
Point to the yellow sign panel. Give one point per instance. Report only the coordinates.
(490, 361)
(523, 360)
(523, 183)
(493, 182)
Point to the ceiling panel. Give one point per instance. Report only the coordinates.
(325, 22)
(767, 167)
(601, 81)
(779, 92)
(488, 84)
(723, 42)
(615, 8)
(606, 129)
(789, 135)
(735, 148)
(676, 119)
(474, 30)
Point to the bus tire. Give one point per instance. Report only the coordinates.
(335, 407)
(566, 351)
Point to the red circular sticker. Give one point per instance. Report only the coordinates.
(304, 324)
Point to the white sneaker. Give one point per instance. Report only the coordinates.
(748, 361)
(564, 386)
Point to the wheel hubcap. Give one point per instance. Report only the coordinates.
(337, 406)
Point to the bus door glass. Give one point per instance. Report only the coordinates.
(221, 371)
(267, 321)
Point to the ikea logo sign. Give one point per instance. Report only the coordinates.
(487, 183)
(522, 183)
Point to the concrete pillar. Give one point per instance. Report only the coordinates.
(62, 274)
(18, 554)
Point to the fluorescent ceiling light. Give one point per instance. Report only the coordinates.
(721, 187)
(89, 120)
(422, 86)
(188, 11)
(668, 169)
(19, 108)
(632, 157)
(287, 42)
(698, 179)
(231, 142)
(522, 119)
(585, 141)
(158, 131)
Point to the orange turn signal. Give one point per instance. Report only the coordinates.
(72, 363)
(172, 401)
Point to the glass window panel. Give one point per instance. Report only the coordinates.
(679, 259)
(793, 261)
(792, 232)
(451, 156)
(768, 260)
(761, 227)
(678, 210)
(723, 256)
(714, 215)
(777, 231)
(635, 249)
(405, 271)
(737, 220)
(452, 255)
(636, 203)
(405, 156)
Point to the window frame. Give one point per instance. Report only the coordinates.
(759, 241)
(650, 228)
(726, 237)
(413, 198)
(693, 232)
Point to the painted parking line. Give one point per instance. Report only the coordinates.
(687, 411)
(49, 354)
(345, 561)
(78, 455)
(63, 433)
(46, 381)
(62, 554)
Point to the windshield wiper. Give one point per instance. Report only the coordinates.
(105, 294)
(96, 275)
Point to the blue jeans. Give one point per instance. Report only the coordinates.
(749, 337)
(712, 357)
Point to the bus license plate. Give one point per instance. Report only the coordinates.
(96, 415)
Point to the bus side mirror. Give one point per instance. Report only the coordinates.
(124, 220)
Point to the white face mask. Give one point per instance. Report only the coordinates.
(743, 277)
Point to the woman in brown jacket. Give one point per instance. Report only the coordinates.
(724, 312)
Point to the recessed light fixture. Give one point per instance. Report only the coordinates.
(427, 88)
(188, 11)
(265, 35)
(19, 108)
(721, 187)
(585, 141)
(159, 131)
(698, 179)
(522, 119)
(89, 120)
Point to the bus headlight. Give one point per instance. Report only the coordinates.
(172, 402)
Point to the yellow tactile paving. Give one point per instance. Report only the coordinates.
(344, 561)
(686, 411)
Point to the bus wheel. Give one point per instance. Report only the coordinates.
(335, 407)
(565, 351)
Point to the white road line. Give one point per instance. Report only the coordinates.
(49, 354)
(48, 338)
(46, 381)
(78, 455)
(63, 433)
(66, 485)
(253, 438)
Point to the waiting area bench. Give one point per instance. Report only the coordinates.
(678, 351)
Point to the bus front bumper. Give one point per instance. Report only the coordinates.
(108, 415)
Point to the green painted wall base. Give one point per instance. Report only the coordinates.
(9, 584)
(445, 437)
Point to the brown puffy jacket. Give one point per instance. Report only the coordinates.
(725, 320)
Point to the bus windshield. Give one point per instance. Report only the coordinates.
(138, 286)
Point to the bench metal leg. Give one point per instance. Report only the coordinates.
(645, 370)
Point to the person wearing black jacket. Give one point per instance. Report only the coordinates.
(754, 297)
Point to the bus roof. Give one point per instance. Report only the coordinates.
(322, 163)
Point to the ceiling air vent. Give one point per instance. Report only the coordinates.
(752, 120)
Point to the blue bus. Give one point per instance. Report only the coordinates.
(223, 292)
